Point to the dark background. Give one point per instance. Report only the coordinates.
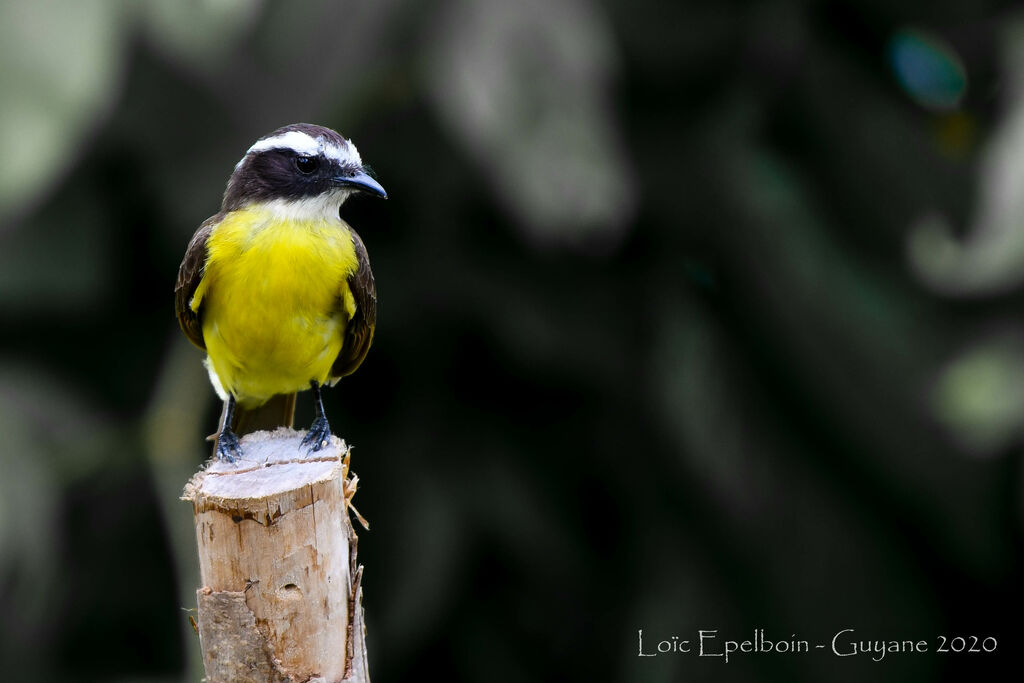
(695, 315)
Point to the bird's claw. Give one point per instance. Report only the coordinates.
(228, 447)
(318, 435)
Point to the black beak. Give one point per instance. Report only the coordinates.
(362, 182)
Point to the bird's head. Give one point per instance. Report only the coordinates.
(303, 170)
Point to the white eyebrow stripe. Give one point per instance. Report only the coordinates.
(293, 139)
(346, 156)
(302, 143)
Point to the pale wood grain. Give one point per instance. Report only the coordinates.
(277, 558)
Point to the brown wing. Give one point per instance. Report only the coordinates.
(189, 274)
(359, 332)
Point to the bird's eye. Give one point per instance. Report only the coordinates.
(306, 165)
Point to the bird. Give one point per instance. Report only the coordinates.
(276, 287)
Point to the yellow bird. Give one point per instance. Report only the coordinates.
(277, 288)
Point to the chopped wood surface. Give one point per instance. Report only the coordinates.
(277, 558)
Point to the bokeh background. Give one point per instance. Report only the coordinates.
(693, 315)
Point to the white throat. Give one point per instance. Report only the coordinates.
(323, 207)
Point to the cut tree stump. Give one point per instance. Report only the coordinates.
(281, 599)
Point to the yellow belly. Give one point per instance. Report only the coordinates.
(274, 302)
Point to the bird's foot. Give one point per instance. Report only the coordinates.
(228, 447)
(318, 436)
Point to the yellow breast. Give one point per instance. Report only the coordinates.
(274, 301)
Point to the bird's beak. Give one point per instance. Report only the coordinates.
(362, 182)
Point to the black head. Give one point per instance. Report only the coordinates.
(299, 162)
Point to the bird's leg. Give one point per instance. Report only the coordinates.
(228, 447)
(319, 432)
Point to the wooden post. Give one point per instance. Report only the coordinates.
(281, 599)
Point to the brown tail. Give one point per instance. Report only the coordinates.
(279, 411)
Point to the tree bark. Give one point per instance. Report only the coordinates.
(281, 599)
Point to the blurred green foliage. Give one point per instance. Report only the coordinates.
(692, 315)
